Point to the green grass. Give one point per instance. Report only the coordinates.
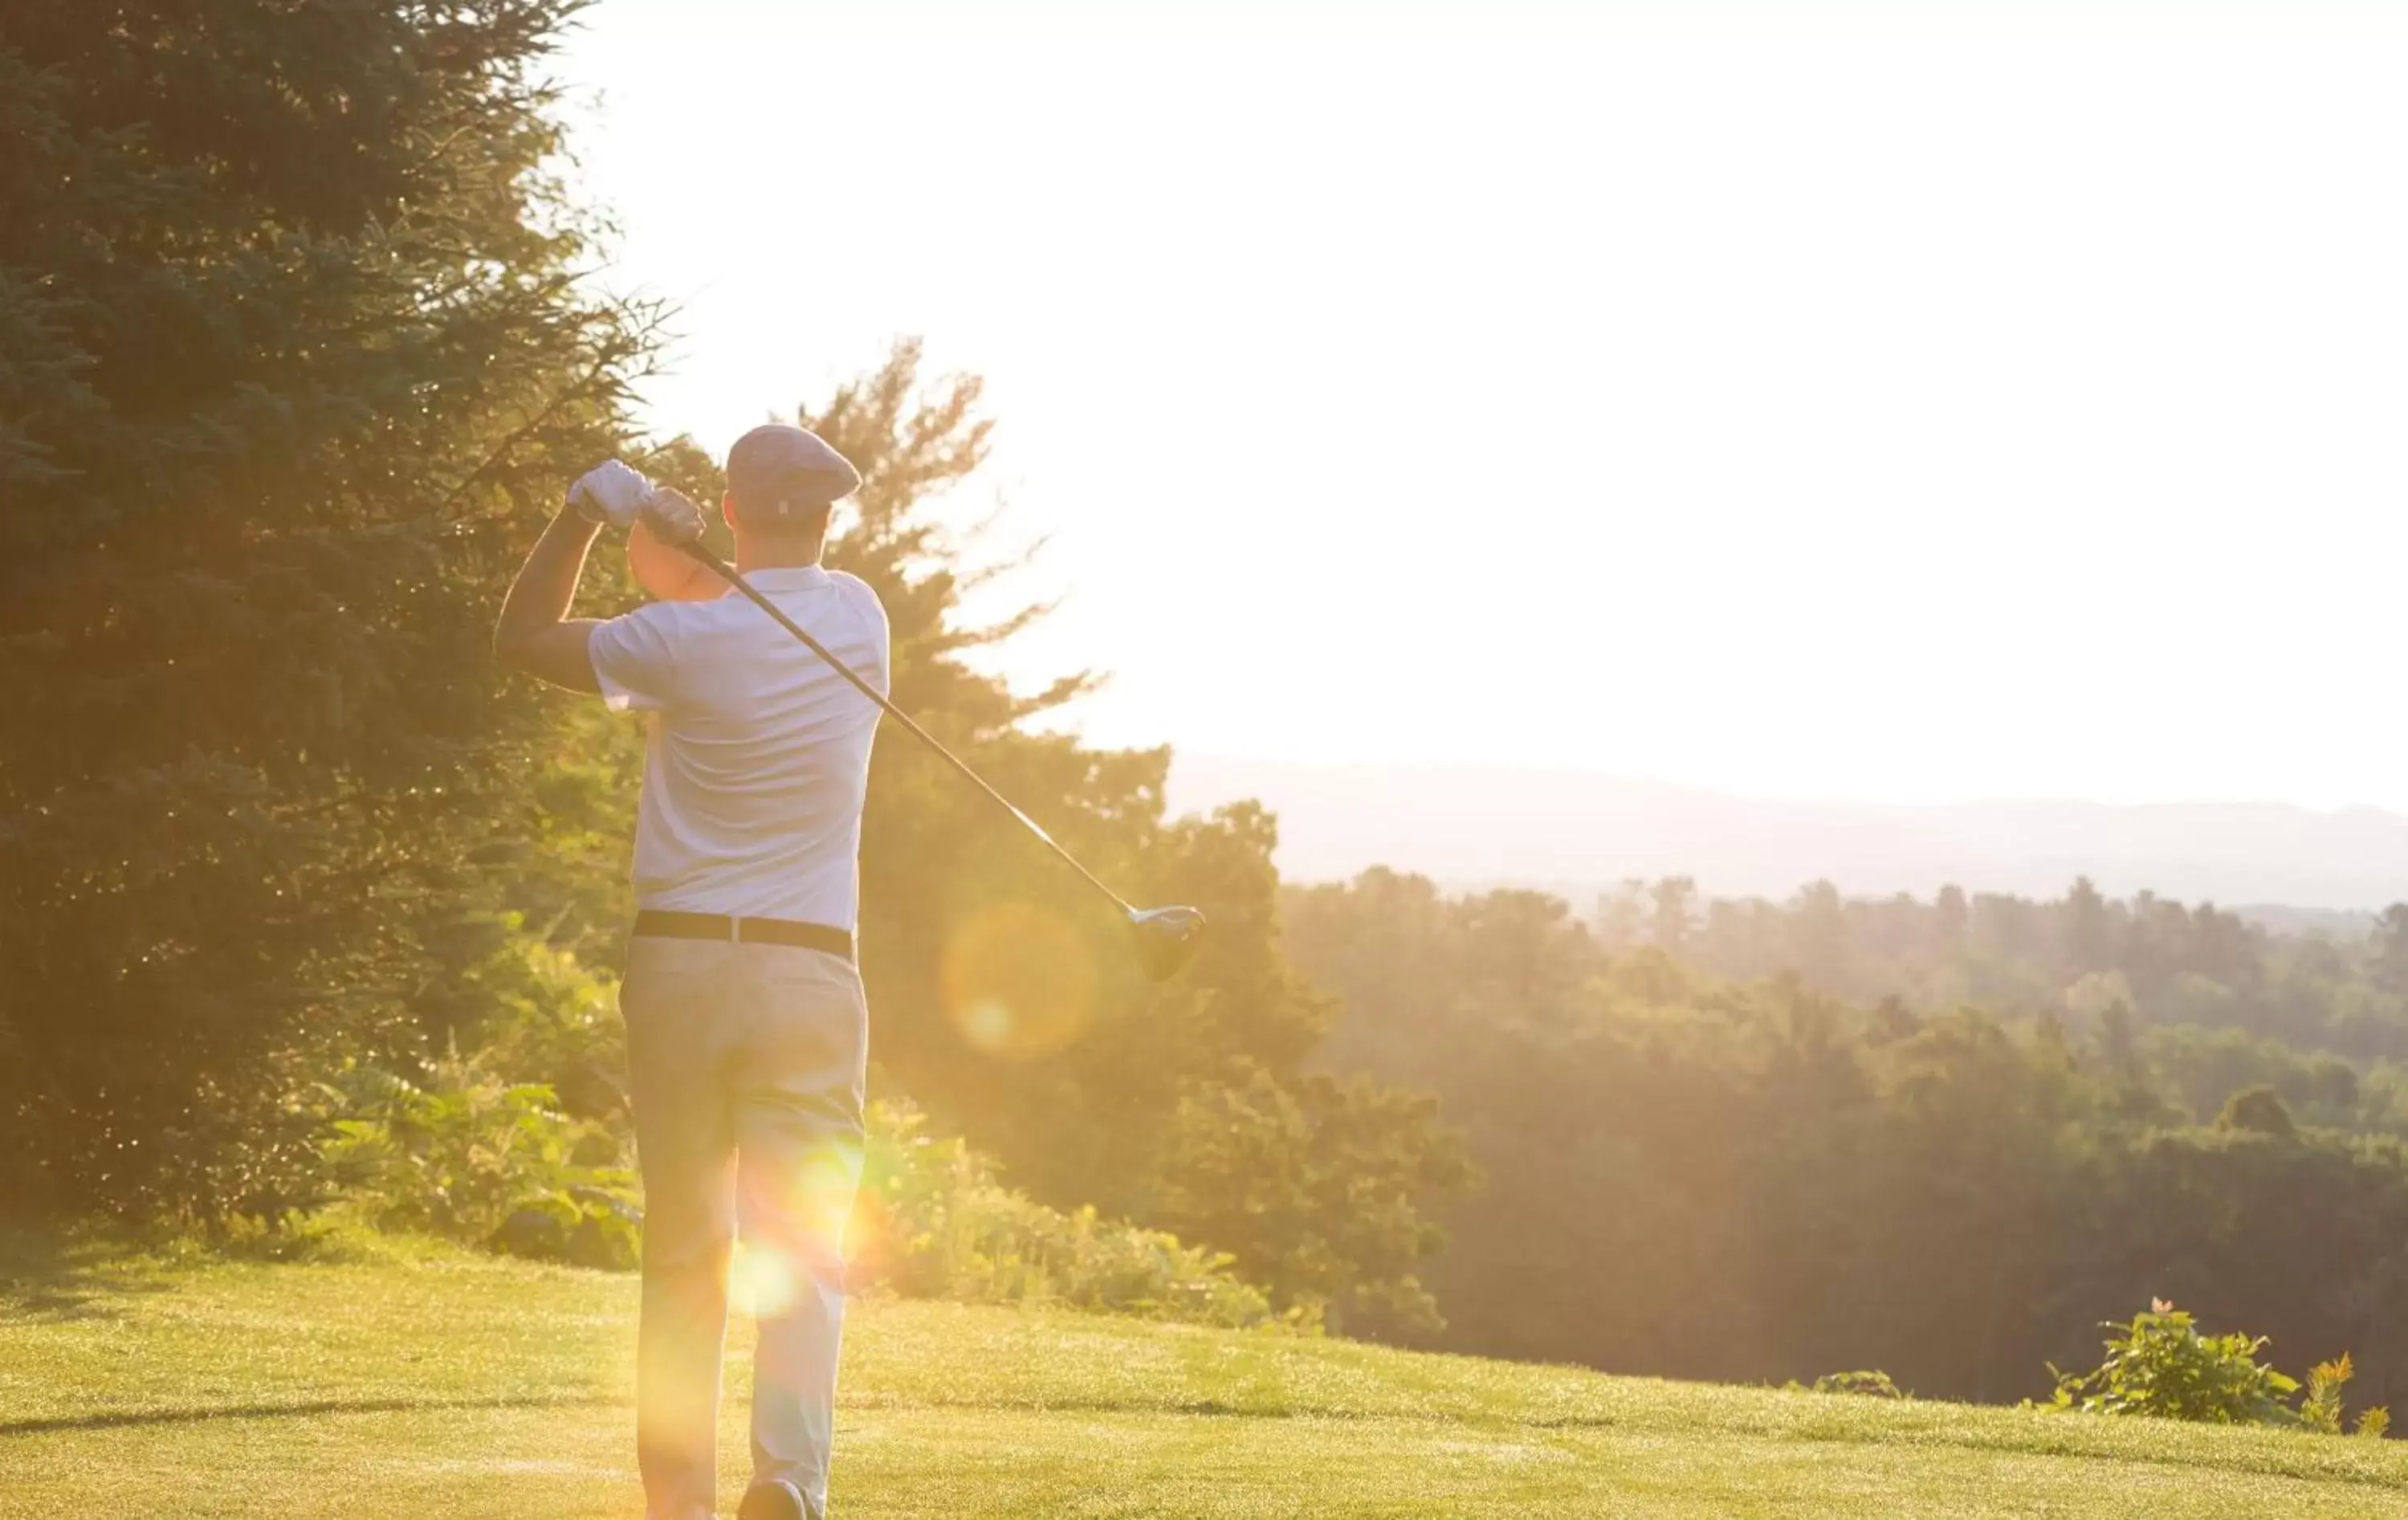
(430, 1384)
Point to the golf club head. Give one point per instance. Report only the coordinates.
(1166, 938)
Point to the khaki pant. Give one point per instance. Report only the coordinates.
(745, 1063)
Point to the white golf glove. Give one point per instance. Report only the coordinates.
(671, 517)
(611, 492)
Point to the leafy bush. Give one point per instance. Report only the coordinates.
(2161, 1364)
(475, 1158)
(1870, 1384)
(934, 1221)
(541, 1015)
(2320, 1409)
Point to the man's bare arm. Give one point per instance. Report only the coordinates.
(667, 571)
(535, 632)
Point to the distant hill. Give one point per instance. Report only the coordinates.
(1577, 833)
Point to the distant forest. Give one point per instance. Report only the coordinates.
(2078, 958)
(1945, 1139)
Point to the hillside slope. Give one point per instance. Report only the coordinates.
(466, 1388)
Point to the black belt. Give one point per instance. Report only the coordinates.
(663, 924)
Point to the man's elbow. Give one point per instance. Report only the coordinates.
(522, 648)
(509, 647)
(553, 652)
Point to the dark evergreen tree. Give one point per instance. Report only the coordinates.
(290, 334)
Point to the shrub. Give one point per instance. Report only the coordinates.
(934, 1221)
(2160, 1363)
(474, 1158)
(1870, 1384)
(543, 1015)
(2320, 1408)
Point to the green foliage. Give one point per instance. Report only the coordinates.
(2161, 1364)
(470, 1156)
(290, 339)
(2201, 1071)
(1696, 1179)
(2334, 984)
(2391, 950)
(2320, 1406)
(934, 1221)
(541, 1014)
(1306, 1184)
(1867, 1385)
(2257, 1110)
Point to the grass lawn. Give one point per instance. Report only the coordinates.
(437, 1384)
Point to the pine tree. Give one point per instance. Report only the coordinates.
(292, 344)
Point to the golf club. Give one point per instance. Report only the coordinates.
(1165, 937)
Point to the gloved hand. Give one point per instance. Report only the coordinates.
(612, 493)
(670, 516)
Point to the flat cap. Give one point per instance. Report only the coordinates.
(779, 468)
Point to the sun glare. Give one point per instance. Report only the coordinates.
(1018, 981)
(761, 1281)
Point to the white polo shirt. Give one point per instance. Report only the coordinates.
(759, 754)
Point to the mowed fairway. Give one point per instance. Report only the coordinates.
(463, 1387)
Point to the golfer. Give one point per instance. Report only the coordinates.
(747, 1033)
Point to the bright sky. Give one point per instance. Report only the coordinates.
(1891, 407)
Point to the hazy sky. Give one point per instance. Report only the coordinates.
(1882, 406)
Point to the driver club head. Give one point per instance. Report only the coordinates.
(1166, 938)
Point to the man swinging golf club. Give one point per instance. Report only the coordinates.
(747, 1031)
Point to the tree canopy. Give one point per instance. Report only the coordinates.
(290, 334)
(1696, 1177)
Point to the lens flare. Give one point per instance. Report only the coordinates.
(988, 1023)
(822, 1194)
(761, 1281)
(1018, 979)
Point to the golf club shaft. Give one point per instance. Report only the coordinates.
(728, 573)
